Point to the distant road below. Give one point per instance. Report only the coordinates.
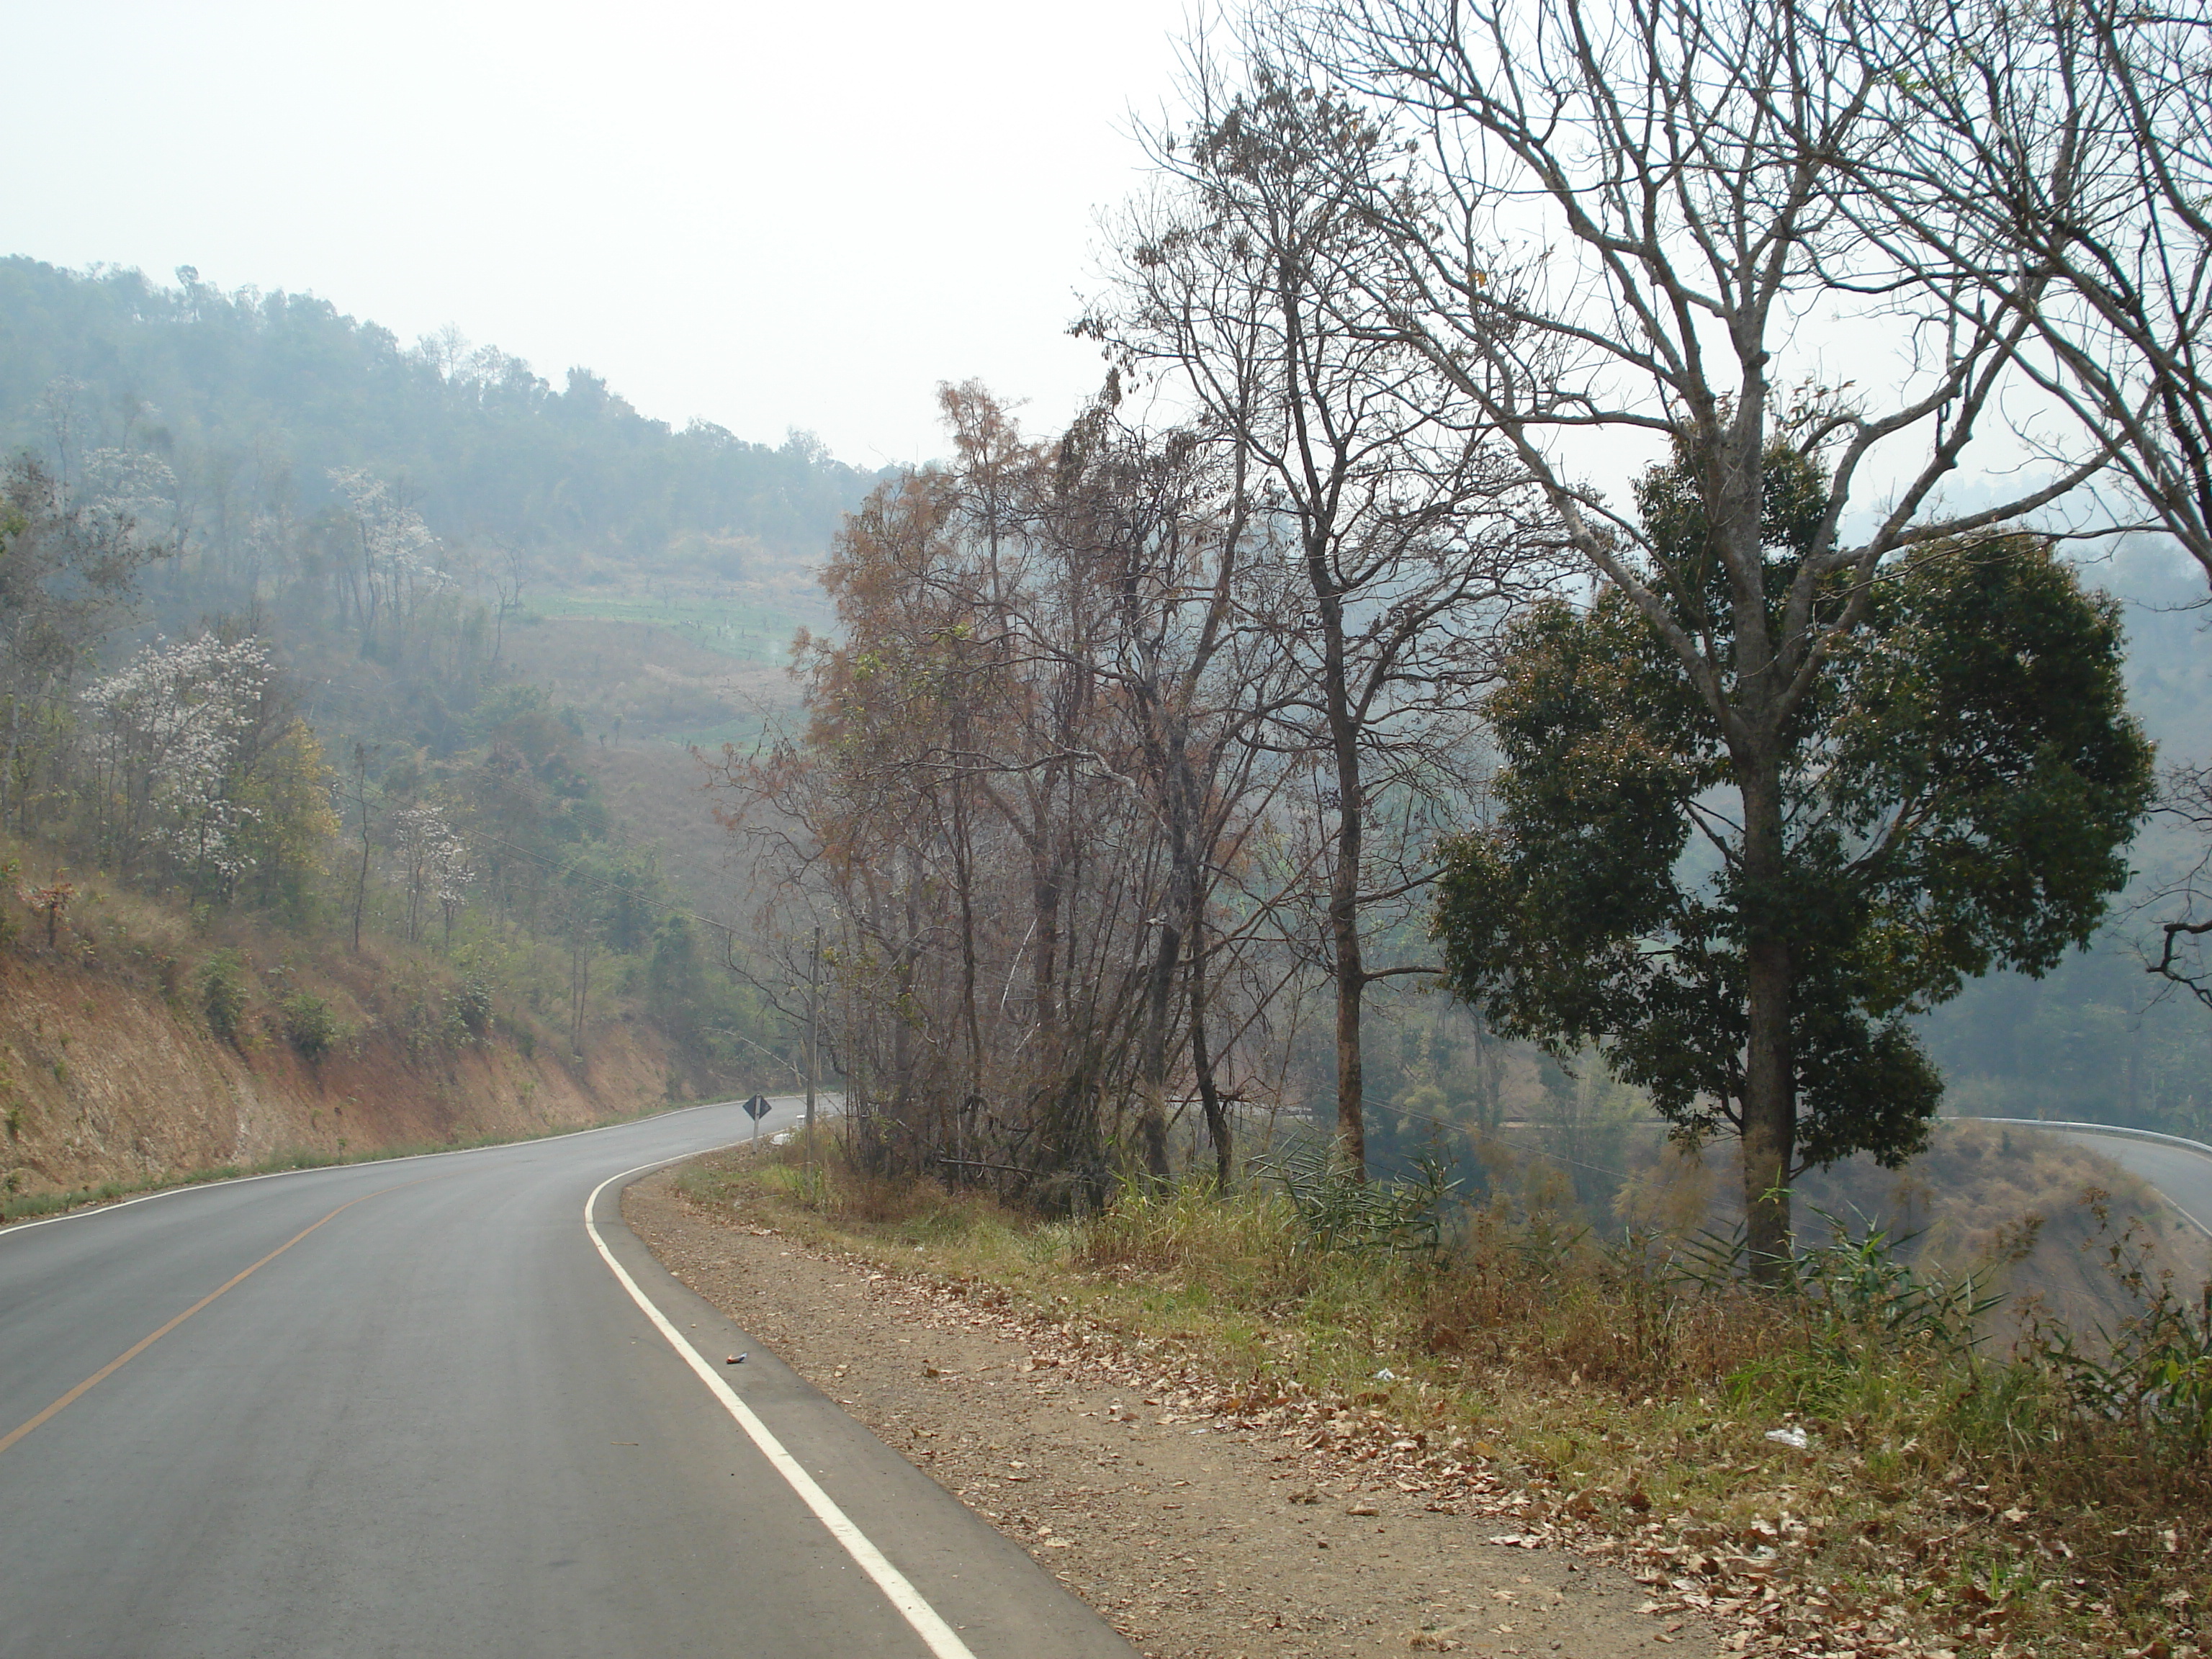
(2181, 1172)
(413, 1409)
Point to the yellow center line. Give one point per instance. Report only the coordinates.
(144, 1343)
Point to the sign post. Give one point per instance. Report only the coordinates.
(756, 1109)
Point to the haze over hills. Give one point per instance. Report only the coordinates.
(253, 399)
(645, 575)
(1401, 905)
(422, 544)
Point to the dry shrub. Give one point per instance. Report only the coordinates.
(1518, 1293)
(880, 1200)
(1187, 1230)
(822, 1182)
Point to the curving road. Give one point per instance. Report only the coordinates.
(414, 1408)
(2182, 1173)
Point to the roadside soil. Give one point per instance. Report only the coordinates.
(106, 1077)
(1200, 1526)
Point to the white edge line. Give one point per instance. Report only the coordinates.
(79, 1214)
(927, 1624)
(2185, 1214)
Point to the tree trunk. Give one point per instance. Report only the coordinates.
(361, 799)
(8, 761)
(963, 874)
(1770, 1086)
(1190, 897)
(1044, 888)
(1351, 1084)
(1344, 913)
(361, 882)
(580, 983)
(1201, 1060)
(1152, 1107)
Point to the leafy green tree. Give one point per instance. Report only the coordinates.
(289, 818)
(1956, 794)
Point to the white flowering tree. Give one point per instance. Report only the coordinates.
(395, 560)
(168, 738)
(432, 865)
(135, 491)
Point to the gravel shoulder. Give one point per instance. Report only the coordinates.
(1200, 1526)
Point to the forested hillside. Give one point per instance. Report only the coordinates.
(290, 636)
(254, 401)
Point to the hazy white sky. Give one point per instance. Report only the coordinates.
(770, 217)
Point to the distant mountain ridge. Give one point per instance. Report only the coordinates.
(253, 398)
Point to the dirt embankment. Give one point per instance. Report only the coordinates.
(104, 1078)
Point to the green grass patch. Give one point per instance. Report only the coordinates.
(744, 733)
(731, 629)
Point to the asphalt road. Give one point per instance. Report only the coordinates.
(2184, 1175)
(413, 1409)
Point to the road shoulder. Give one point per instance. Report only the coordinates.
(1194, 1529)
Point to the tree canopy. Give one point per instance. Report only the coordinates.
(1958, 792)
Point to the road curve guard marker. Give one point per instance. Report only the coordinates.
(940, 1636)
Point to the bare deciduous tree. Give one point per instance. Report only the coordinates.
(1027, 774)
(1400, 529)
(2059, 160)
(1632, 233)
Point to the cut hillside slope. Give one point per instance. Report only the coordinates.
(115, 1071)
